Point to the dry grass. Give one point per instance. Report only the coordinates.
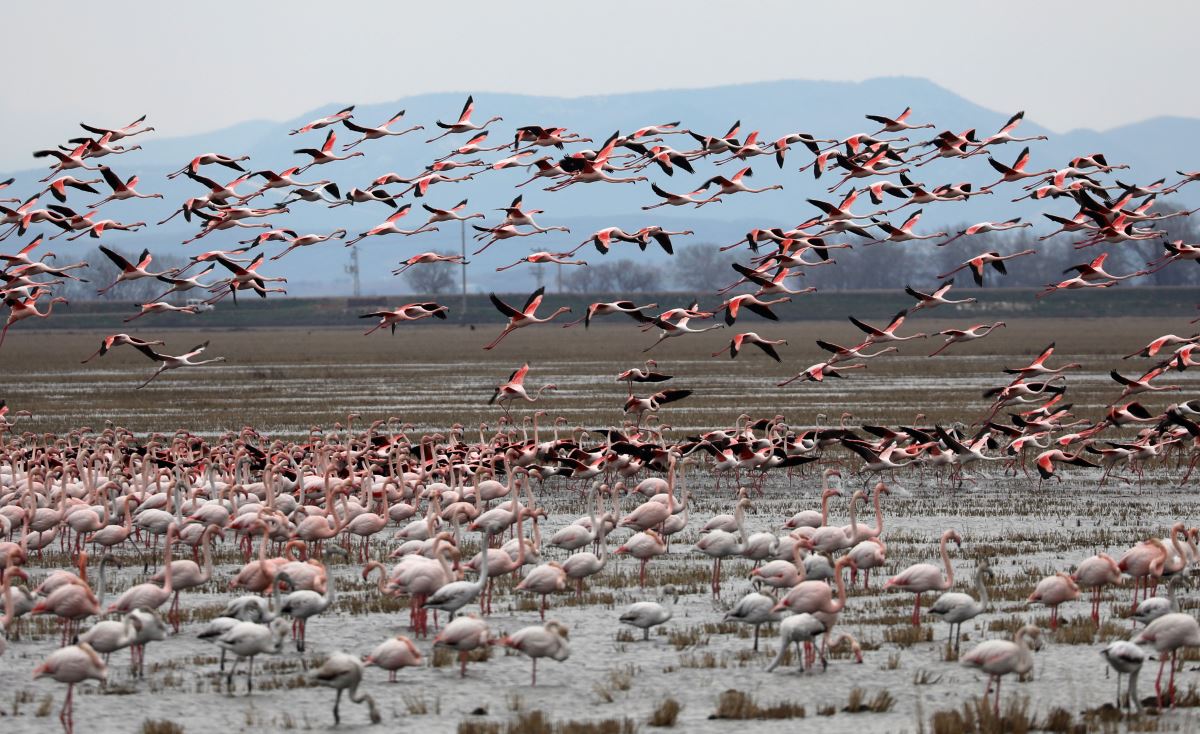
(734, 704)
(666, 713)
(537, 722)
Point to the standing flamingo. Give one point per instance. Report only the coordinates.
(1167, 634)
(343, 672)
(71, 665)
(540, 641)
(1095, 573)
(998, 658)
(922, 577)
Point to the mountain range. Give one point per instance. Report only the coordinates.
(824, 109)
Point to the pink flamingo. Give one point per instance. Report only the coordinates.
(998, 658)
(393, 654)
(464, 634)
(540, 641)
(72, 665)
(1053, 591)
(922, 577)
(1095, 573)
(1167, 634)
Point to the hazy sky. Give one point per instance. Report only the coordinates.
(199, 66)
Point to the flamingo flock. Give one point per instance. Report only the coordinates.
(425, 502)
(415, 513)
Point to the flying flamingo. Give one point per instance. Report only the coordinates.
(464, 124)
(341, 115)
(525, 317)
(391, 226)
(130, 271)
(922, 577)
(971, 333)
(22, 309)
(375, 133)
(982, 260)
(515, 388)
(170, 362)
(121, 190)
(325, 154)
(1015, 172)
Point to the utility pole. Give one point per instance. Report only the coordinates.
(353, 270)
(462, 242)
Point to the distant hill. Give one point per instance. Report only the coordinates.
(825, 109)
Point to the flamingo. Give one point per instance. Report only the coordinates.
(464, 124)
(643, 546)
(464, 634)
(395, 653)
(23, 309)
(170, 362)
(524, 317)
(922, 577)
(644, 615)
(302, 604)
(248, 640)
(755, 609)
(375, 133)
(1167, 634)
(325, 154)
(971, 333)
(978, 263)
(795, 629)
(340, 116)
(343, 672)
(71, 665)
(955, 607)
(1126, 658)
(720, 544)
(540, 641)
(998, 658)
(1095, 573)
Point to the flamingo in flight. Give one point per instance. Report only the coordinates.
(750, 337)
(375, 133)
(325, 154)
(971, 333)
(391, 226)
(985, 227)
(514, 389)
(896, 124)
(524, 317)
(343, 114)
(464, 124)
(407, 312)
(978, 263)
(169, 362)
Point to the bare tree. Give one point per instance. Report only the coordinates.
(433, 278)
(101, 271)
(703, 267)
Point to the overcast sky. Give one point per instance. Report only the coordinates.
(200, 66)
